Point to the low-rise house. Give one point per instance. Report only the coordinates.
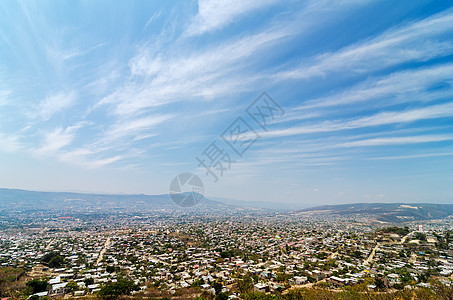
(261, 287)
(337, 280)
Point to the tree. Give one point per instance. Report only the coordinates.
(71, 287)
(115, 289)
(37, 286)
(420, 236)
(217, 287)
(53, 260)
(88, 281)
(56, 262)
(379, 283)
(197, 282)
(262, 296)
(221, 296)
(246, 284)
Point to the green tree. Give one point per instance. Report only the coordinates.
(36, 286)
(115, 289)
(217, 287)
(71, 287)
(420, 236)
(88, 281)
(221, 296)
(379, 283)
(53, 260)
(245, 284)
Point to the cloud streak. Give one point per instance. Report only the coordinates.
(53, 104)
(398, 141)
(384, 118)
(391, 48)
(214, 15)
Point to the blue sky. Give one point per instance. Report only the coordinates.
(121, 98)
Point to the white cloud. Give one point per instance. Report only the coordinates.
(161, 74)
(399, 87)
(398, 141)
(418, 41)
(9, 143)
(4, 97)
(52, 105)
(413, 156)
(384, 118)
(214, 15)
(87, 158)
(186, 77)
(134, 127)
(152, 18)
(56, 140)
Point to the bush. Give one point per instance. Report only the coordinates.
(53, 260)
(36, 286)
(221, 296)
(115, 289)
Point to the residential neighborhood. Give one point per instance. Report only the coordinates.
(268, 253)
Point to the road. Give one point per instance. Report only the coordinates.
(404, 238)
(413, 258)
(101, 254)
(371, 256)
(50, 244)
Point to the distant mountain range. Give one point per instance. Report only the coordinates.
(260, 204)
(15, 199)
(386, 212)
(23, 200)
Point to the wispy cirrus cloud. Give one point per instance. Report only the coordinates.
(419, 41)
(4, 97)
(213, 15)
(51, 105)
(197, 76)
(413, 156)
(89, 158)
(383, 118)
(56, 140)
(10, 143)
(133, 127)
(416, 85)
(161, 74)
(398, 141)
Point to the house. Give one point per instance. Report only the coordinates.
(299, 280)
(58, 288)
(337, 280)
(261, 287)
(55, 280)
(40, 295)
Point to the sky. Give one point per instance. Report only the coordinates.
(121, 97)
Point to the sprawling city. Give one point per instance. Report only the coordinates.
(224, 253)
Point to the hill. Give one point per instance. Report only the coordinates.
(386, 212)
(22, 200)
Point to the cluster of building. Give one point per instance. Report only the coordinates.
(275, 252)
